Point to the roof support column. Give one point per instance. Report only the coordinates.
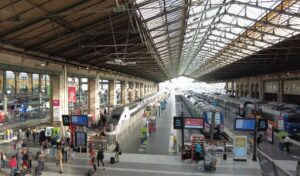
(17, 83)
(59, 98)
(141, 90)
(5, 96)
(132, 91)
(93, 97)
(137, 90)
(280, 90)
(124, 95)
(261, 89)
(111, 94)
(30, 84)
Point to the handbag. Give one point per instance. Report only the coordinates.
(120, 153)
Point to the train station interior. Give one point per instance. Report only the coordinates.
(150, 87)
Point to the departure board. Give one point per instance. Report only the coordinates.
(245, 124)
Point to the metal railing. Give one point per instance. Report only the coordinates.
(269, 166)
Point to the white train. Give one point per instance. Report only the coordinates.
(120, 116)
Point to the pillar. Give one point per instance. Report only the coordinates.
(30, 85)
(4, 95)
(261, 89)
(141, 90)
(17, 83)
(111, 93)
(123, 92)
(93, 97)
(280, 90)
(132, 88)
(58, 98)
(137, 90)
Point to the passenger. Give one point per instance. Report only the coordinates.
(27, 133)
(198, 150)
(59, 158)
(286, 142)
(19, 158)
(259, 139)
(65, 155)
(41, 161)
(68, 137)
(93, 160)
(117, 151)
(13, 165)
(100, 157)
(33, 135)
(3, 159)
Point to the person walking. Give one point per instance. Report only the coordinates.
(19, 158)
(13, 165)
(100, 157)
(27, 133)
(41, 161)
(286, 142)
(259, 139)
(59, 162)
(117, 151)
(3, 159)
(68, 137)
(33, 135)
(93, 160)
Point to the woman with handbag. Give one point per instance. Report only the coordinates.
(117, 151)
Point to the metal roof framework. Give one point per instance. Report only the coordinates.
(220, 33)
(166, 38)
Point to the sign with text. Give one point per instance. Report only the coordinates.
(240, 148)
(80, 120)
(66, 120)
(244, 124)
(270, 133)
(80, 139)
(262, 125)
(56, 110)
(177, 123)
(193, 123)
(72, 94)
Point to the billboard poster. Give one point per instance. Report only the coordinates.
(72, 94)
(56, 111)
(193, 123)
(80, 139)
(240, 148)
(270, 133)
(280, 123)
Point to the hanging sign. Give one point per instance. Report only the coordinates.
(72, 94)
(56, 111)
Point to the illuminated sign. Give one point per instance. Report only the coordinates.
(177, 123)
(240, 148)
(244, 124)
(66, 120)
(193, 123)
(80, 120)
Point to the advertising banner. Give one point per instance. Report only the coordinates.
(193, 123)
(56, 111)
(270, 133)
(240, 148)
(72, 94)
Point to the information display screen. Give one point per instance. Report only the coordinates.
(262, 125)
(244, 124)
(66, 120)
(240, 147)
(193, 123)
(177, 123)
(80, 139)
(80, 120)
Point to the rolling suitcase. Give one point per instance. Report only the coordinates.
(112, 160)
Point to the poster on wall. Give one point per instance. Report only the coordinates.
(240, 148)
(72, 94)
(80, 139)
(270, 133)
(193, 123)
(56, 111)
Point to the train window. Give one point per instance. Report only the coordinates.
(294, 119)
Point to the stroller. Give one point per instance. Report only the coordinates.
(210, 160)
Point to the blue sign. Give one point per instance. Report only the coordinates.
(80, 120)
(245, 124)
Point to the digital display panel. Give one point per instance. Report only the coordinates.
(177, 123)
(244, 124)
(80, 120)
(193, 123)
(262, 125)
(66, 120)
(80, 139)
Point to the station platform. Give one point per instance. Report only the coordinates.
(156, 158)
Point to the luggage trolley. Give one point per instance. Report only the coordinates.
(210, 160)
